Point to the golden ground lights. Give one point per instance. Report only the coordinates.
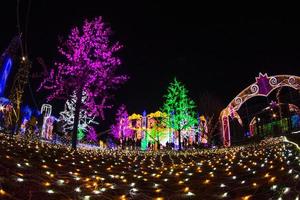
(41, 170)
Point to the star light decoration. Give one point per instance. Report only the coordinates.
(39, 170)
(86, 119)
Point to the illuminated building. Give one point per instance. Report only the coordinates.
(151, 129)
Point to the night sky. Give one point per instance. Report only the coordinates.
(213, 51)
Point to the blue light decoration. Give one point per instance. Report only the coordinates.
(4, 101)
(5, 71)
(247, 134)
(26, 113)
(295, 121)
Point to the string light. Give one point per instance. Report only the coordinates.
(274, 187)
(86, 197)
(20, 179)
(77, 189)
(286, 190)
(186, 189)
(190, 194)
(2, 192)
(246, 197)
(50, 191)
(130, 165)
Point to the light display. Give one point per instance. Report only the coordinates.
(203, 137)
(92, 135)
(156, 130)
(137, 125)
(48, 128)
(35, 169)
(7, 114)
(5, 71)
(152, 130)
(80, 134)
(89, 66)
(46, 131)
(180, 109)
(18, 86)
(8, 58)
(263, 86)
(6, 61)
(275, 119)
(26, 115)
(86, 119)
(121, 129)
(144, 141)
(295, 121)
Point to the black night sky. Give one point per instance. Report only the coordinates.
(208, 50)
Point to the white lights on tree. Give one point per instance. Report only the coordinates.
(85, 118)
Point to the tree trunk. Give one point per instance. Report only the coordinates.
(179, 139)
(76, 118)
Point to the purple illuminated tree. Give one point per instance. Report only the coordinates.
(92, 135)
(121, 129)
(88, 65)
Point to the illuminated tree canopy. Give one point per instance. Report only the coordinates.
(88, 64)
(180, 108)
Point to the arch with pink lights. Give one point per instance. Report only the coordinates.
(263, 86)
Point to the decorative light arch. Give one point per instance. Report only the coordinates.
(263, 86)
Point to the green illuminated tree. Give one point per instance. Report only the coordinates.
(180, 108)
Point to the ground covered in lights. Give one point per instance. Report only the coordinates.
(36, 170)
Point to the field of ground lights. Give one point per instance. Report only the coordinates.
(37, 170)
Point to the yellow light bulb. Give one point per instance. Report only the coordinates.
(186, 189)
(2, 192)
(47, 184)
